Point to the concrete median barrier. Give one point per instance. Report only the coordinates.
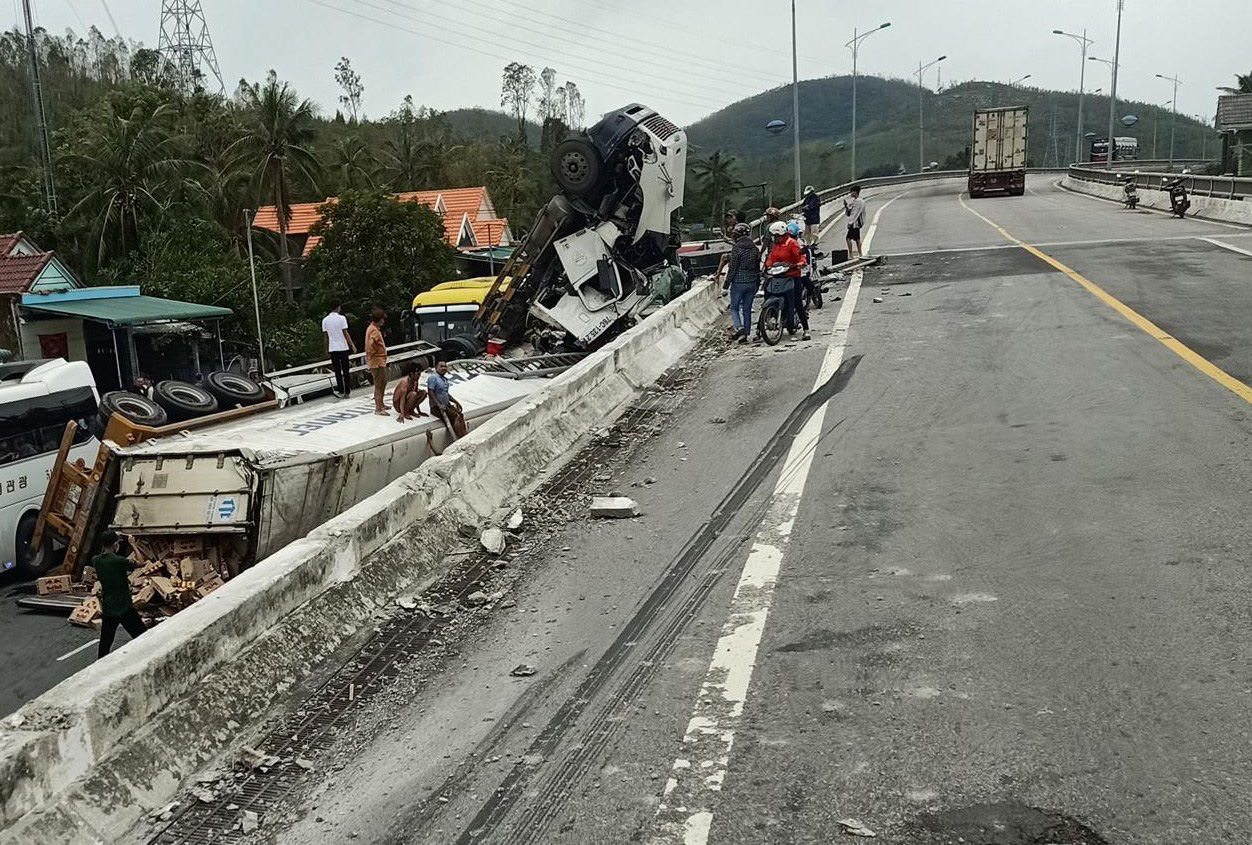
(1203, 207)
(92, 757)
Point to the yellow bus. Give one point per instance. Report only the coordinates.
(448, 309)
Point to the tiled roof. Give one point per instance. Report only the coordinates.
(310, 244)
(19, 272)
(1234, 111)
(492, 232)
(303, 216)
(455, 204)
(7, 242)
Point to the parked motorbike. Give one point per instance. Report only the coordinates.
(1130, 196)
(1178, 200)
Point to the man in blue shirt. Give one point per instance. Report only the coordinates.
(441, 402)
(812, 215)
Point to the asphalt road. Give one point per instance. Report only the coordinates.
(989, 586)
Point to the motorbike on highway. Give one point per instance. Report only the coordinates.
(1178, 200)
(1130, 196)
(776, 315)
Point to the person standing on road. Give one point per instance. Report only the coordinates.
(772, 216)
(730, 221)
(113, 573)
(786, 250)
(812, 215)
(799, 290)
(338, 344)
(376, 357)
(442, 404)
(743, 277)
(855, 210)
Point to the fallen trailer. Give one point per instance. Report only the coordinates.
(231, 489)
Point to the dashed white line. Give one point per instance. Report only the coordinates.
(70, 654)
(685, 815)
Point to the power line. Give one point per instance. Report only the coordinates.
(467, 28)
(495, 55)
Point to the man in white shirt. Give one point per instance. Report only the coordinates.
(340, 345)
(855, 209)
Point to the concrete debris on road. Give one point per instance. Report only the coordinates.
(249, 821)
(476, 599)
(493, 541)
(523, 670)
(613, 507)
(515, 520)
(854, 827)
(407, 603)
(878, 299)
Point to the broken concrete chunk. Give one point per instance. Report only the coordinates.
(876, 299)
(854, 827)
(407, 603)
(493, 540)
(476, 599)
(515, 520)
(249, 821)
(613, 507)
(523, 670)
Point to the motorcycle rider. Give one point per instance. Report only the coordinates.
(785, 250)
(795, 230)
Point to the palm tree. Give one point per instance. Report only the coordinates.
(353, 163)
(1243, 84)
(278, 128)
(716, 176)
(127, 161)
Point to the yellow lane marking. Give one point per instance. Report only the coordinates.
(1154, 331)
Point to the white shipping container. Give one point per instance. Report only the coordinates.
(999, 139)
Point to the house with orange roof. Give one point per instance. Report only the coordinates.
(469, 219)
(25, 268)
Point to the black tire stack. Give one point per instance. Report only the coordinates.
(180, 401)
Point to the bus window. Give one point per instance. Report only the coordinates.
(35, 425)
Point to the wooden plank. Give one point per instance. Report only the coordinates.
(54, 481)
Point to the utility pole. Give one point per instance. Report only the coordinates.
(1117, 57)
(921, 131)
(185, 46)
(41, 115)
(795, 100)
(1084, 42)
(855, 45)
(1173, 126)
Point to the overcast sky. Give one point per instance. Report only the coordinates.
(687, 58)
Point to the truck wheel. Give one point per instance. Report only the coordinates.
(231, 389)
(576, 165)
(32, 562)
(459, 346)
(183, 401)
(138, 409)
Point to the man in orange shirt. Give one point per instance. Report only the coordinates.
(376, 357)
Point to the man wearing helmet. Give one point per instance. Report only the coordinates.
(785, 250)
(795, 230)
(772, 216)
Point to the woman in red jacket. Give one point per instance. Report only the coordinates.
(786, 250)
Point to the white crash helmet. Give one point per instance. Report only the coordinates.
(778, 228)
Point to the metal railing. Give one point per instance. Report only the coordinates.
(1219, 187)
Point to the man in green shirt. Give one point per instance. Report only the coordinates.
(113, 571)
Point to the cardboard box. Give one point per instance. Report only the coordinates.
(145, 596)
(86, 613)
(194, 570)
(164, 587)
(52, 585)
(210, 584)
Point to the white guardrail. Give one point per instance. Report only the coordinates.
(1147, 177)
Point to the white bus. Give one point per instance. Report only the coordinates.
(37, 399)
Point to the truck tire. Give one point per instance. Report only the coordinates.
(231, 389)
(138, 409)
(183, 401)
(576, 165)
(33, 563)
(457, 347)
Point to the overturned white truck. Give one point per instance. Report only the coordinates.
(599, 251)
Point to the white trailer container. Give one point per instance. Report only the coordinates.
(997, 153)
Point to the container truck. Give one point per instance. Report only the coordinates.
(997, 161)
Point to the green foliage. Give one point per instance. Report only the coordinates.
(1243, 84)
(375, 250)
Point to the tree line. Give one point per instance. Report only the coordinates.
(153, 183)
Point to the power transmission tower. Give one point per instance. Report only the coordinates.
(1053, 157)
(41, 115)
(186, 49)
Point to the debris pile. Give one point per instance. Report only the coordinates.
(169, 575)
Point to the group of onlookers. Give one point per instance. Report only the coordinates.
(784, 258)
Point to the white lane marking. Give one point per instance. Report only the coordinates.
(70, 654)
(1227, 246)
(685, 815)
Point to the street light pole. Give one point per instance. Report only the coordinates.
(854, 45)
(1015, 82)
(1084, 42)
(921, 134)
(795, 99)
(1108, 156)
(249, 216)
(1117, 57)
(1173, 126)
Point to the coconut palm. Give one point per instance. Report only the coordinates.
(353, 163)
(1243, 84)
(129, 162)
(716, 178)
(278, 129)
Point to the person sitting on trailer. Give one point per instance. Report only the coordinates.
(442, 405)
(408, 394)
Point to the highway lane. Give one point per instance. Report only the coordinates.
(1011, 584)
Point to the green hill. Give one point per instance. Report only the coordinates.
(887, 134)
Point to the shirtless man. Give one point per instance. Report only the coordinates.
(408, 394)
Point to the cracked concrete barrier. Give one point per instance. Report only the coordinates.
(89, 759)
(1205, 208)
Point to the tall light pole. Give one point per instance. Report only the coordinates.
(1156, 119)
(921, 133)
(1014, 83)
(1117, 58)
(1108, 159)
(1173, 126)
(854, 45)
(1083, 42)
(795, 99)
(1204, 137)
